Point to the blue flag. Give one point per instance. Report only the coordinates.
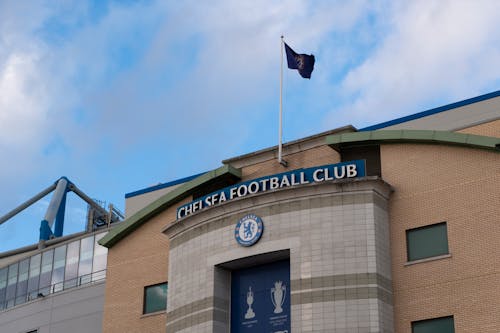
(302, 62)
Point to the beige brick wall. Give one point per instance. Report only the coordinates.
(305, 159)
(461, 186)
(491, 128)
(139, 260)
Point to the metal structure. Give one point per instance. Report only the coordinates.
(97, 216)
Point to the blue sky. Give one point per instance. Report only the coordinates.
(121, 95)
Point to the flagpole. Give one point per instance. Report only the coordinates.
(280, 145)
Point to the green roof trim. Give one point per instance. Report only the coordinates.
(414, 136)
(133, 222)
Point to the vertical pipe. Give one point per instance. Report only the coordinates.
(55, 203)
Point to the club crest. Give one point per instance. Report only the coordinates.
(248, 230)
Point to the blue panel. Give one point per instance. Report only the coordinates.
(45, 231)
(260, 299)
(59, 225)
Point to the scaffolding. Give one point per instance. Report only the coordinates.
(52, 225)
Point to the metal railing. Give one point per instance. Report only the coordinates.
(53, 289)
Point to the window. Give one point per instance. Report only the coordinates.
(371, 154)
(437, 325)
(34, 276)
(155, 298)
(22, 281)
(428, 241)
(58, 270)
(10, 294)
(46, 272)
(85, 265)
(71, 267)
(3, 286)
(100, 259)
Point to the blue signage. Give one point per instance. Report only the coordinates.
(248, 230)
(344, 170)
(260, 299)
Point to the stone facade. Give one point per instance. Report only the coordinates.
(337, 237)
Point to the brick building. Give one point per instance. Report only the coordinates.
(389, 228)
(405, 243)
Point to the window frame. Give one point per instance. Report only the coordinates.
(430, 257)
(144, 302)
(432, 319)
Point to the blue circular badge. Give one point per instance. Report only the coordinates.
(249, 230)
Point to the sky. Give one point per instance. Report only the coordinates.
(121, 95)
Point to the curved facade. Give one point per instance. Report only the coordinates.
(335, 236)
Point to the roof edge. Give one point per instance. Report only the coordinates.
(415, 136)
(432, 111)
(347, 128)
(161, 186)
(126, 227)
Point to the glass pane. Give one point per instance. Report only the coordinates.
(3, 286)
(438, 325)
(58, 270)
(85, 266)
(100, 259)
(34, 276)
(46, 272)
(22, 283)
(155, 298)
(72, 256)
(10, 295)
(427, 242)
(3, 277)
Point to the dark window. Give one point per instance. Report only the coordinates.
(426, 242)
(155, 298)
(371, 154)
(437, 325)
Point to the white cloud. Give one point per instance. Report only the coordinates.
(23, 101)
(435, 50)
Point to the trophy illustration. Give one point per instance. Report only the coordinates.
(278, 296)
(250, 314)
